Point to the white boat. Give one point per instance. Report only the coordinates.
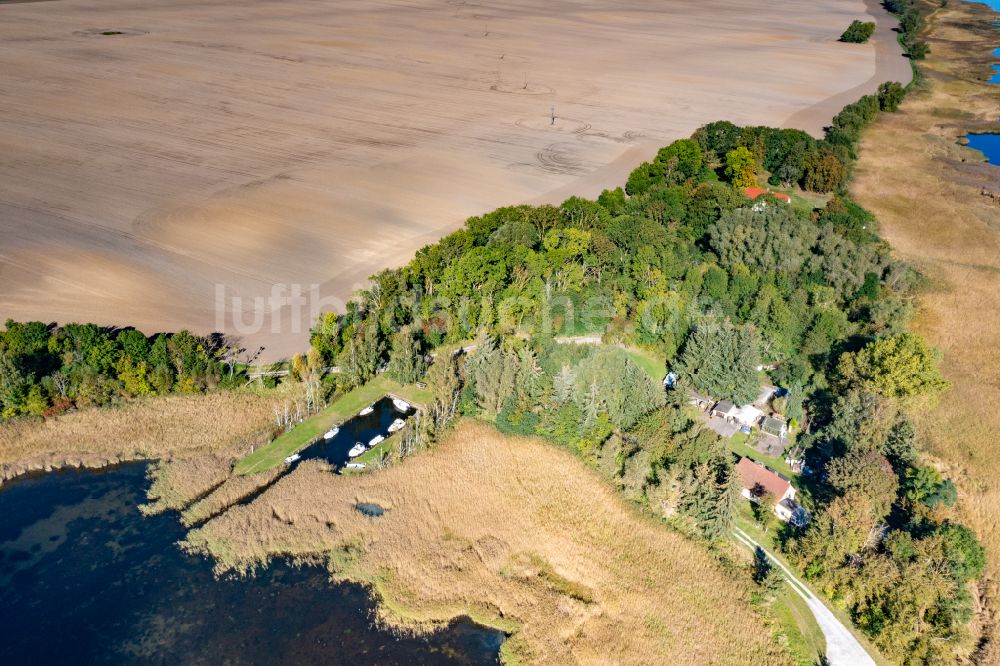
(401, 405)
(367, 410)
(357, 450)
(376, 439)
(355, 466)
(292, 458)
(331, 433)
(397, 425)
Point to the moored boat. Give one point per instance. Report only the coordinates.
(401, 405)
(367, 410)
(331, 433)
(397, 425)
(357, 450)
(376, 439)
(292, 458)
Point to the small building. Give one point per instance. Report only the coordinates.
(774, 427)
(755, 192)
(746, 416)
(758, 481)
(723, 409)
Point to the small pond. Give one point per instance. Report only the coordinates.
(85, 579)
(988, 144)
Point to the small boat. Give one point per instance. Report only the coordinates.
(292, 458)
(355, 466)
(367, 410)
(401, 405)
(397, 425)
(357, 450)
(331, 433)
(376, 439)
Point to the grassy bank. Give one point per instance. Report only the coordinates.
(927, 191)
(337, 412)
(517, 533)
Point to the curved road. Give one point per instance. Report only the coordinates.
(842, 648)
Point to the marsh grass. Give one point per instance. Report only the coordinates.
(924, 187)
(221, 423)
(517, 534)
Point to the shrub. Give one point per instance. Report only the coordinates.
(858, 32)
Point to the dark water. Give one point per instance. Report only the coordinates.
(370, 509)
(356, 429)
(84, 578)
(988, 144)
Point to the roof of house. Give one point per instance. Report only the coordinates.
(747, 414)
(772, 425)
(754, 475)
(754, 192)
(724, 406)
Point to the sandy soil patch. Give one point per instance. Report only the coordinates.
(152, 151)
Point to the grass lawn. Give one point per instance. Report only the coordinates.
(805, 639)
(340, 410)
(653, 365)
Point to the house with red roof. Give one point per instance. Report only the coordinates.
(754, 192)
(758, 482)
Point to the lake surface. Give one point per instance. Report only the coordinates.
(988, 144)
(84, 578)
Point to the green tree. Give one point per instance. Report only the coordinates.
(897, 366)
(858, 32)
(406, 360)
(890, 95)
(741, 167)
(721, 360)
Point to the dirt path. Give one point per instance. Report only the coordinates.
(842, 648)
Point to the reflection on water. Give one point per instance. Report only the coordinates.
(356, 429)
(84, 578)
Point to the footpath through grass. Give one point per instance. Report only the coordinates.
(337, 412)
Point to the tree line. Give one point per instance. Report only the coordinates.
(47, 369)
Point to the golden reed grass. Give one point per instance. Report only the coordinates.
(220, 424)
(926, 190)
(517, 534)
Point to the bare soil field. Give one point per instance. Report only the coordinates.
(939, 207)
(153, 151)
(545, 549)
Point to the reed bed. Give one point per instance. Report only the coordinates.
(223, 424)
(517, 534)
